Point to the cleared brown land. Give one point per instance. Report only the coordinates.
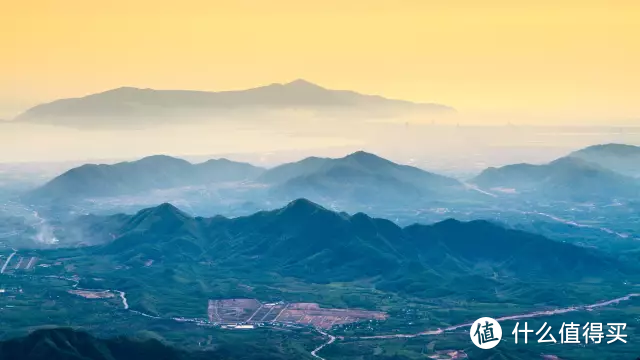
(304, 306)
(252, 311)
(326, 318)
(232, 310)
(93, 294)
(449, 355)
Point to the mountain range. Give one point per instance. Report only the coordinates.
(568, 178)
(153, 172)
(358, 177)
(170, 264)
(71, 344)
(120, 106)
(68, 344)
(621, 158)
(306, 241)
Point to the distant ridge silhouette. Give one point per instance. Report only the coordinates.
(133, 103)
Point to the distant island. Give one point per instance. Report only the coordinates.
(127, 106)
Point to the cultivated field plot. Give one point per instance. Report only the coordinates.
(268, 313)
(26, 263)
(232, 310)
(311, 314)
(88, 294)
(16, 262)
(252, 311)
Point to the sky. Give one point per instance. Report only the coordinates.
(545, 60)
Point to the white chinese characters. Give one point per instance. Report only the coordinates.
(570, 333)
(615, 332)
(486, 333)
(593, 332)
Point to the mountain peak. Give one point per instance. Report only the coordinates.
(162, 161)
(122, 91)
(125, 88)
(164, 211)
(621, 158)
(367, 159)
(159, 157)
(167, 208)
(164, 216)
(448, 223)
(611, 148)
(361, 154)
(301, 207)
(302, 84)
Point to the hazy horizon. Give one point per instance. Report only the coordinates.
(453, 150)
(503, 66)
(475, 117)
(545, 63)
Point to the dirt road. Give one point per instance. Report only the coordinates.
(332, 338)
(511, 317)
(4, 267)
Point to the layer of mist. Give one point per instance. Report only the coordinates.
(268, 141)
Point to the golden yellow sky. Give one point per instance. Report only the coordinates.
(556, 58)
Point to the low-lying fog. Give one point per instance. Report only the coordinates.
(449, 149)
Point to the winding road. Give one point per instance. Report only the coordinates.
(555, 218)
(332, 339)
(123, 296)
(576, 224)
